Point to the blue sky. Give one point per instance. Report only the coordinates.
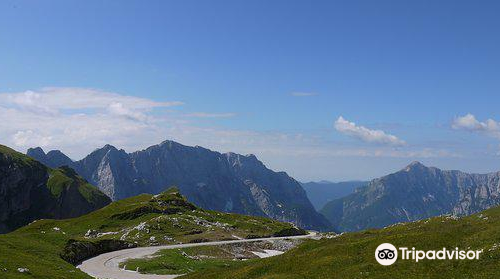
(271, 78)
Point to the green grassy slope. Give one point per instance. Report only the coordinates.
(182, 261)
(351, 255)
(142, 220)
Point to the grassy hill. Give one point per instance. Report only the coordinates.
(138, 221)
(31, 191)
(351, 255)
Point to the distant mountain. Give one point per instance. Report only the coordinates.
(414, 193)
(224, 182)
(29, 191)
(53, 159)
(320, 193)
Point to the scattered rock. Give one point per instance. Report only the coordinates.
(23, 270)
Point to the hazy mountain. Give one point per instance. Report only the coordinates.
(53, 159)
(322, 192)
(414, 193)
(224, 182)
(29, 191)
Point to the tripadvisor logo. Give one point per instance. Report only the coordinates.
(387, 254)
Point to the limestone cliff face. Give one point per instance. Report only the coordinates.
(29, 191)
(414, 193)
(223, 182)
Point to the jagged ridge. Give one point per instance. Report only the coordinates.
(416, 192)
(224, 182)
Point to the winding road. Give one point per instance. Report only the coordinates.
(107, 266)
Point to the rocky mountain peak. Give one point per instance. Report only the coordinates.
(170, 144)
(107, 150)
(225, 182)
(53, 159)
(415, 165)
(109, 147)
(35, 152)
(416, 192)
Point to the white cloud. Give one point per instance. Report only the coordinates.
(470, 123)
(303, 94)
(211, 115)
(30, 138)
(365, 134)
(89, 119)
(79, 120)
(120, 110)
(54, 99)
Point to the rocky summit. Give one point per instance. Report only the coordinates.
(413, 193)
(226, 182)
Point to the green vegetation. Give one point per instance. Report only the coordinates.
(142, 220)
(16, 156)
(351, 255)
(64, 177)
(182, 261)
(32, 191)
(57, 182)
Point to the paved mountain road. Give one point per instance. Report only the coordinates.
(107, 266)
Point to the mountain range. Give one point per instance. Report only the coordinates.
(226, 182)
(413, 193)
(30, 191)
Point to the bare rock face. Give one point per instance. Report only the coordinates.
(29, 191)
(414, 193)
(223, 182)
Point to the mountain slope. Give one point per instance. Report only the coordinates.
(351, 255)
(31, 191)
(414, 193)
(320, 193)
(223, 182)
(50, 248)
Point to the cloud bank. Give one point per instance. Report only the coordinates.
(469, 122)
(360, 132)
(78, 120)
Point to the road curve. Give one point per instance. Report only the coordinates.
(107, 266)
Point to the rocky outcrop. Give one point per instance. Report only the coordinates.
(29, 191)
(77, 251)
(414, 193)
(224, 182)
